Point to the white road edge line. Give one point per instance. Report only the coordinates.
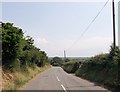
(63, 88)
(58, 79)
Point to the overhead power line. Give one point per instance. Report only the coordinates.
(88, 26)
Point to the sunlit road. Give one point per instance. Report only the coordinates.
(56, 78)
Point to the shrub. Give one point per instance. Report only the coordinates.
(99, 69)
(56, 61)
(71, 67)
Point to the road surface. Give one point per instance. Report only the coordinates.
(56, 78)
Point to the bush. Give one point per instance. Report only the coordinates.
(99, 69)
(71, 67)
(56, 61)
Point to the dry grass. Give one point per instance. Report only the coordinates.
(19, 78)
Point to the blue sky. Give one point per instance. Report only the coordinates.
(55, 26)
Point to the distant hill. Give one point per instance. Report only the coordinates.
(73, 58)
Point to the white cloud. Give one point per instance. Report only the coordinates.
(96, 42)
(84, 47)
(91, 46)
(40, 41)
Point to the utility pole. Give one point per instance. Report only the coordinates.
(119, 24)
(114, 37)
(64, 55)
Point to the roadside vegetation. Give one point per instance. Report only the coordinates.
(102, 69)
(56, 61)
(14, 80)
(72, 66)
(21, 60)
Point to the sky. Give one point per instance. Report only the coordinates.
(58, 26)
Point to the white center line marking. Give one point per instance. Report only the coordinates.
(63, 88)
(58, 79)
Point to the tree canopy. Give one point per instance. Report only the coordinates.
(56, 61)
(19, 49)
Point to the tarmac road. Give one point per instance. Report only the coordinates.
(56, 78)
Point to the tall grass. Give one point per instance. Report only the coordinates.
(22, 77)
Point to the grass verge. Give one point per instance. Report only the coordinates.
(20, 78)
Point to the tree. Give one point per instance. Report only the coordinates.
(11, 38)
(19, 51)
(56, 61)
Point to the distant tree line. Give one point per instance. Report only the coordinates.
(19, 51)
